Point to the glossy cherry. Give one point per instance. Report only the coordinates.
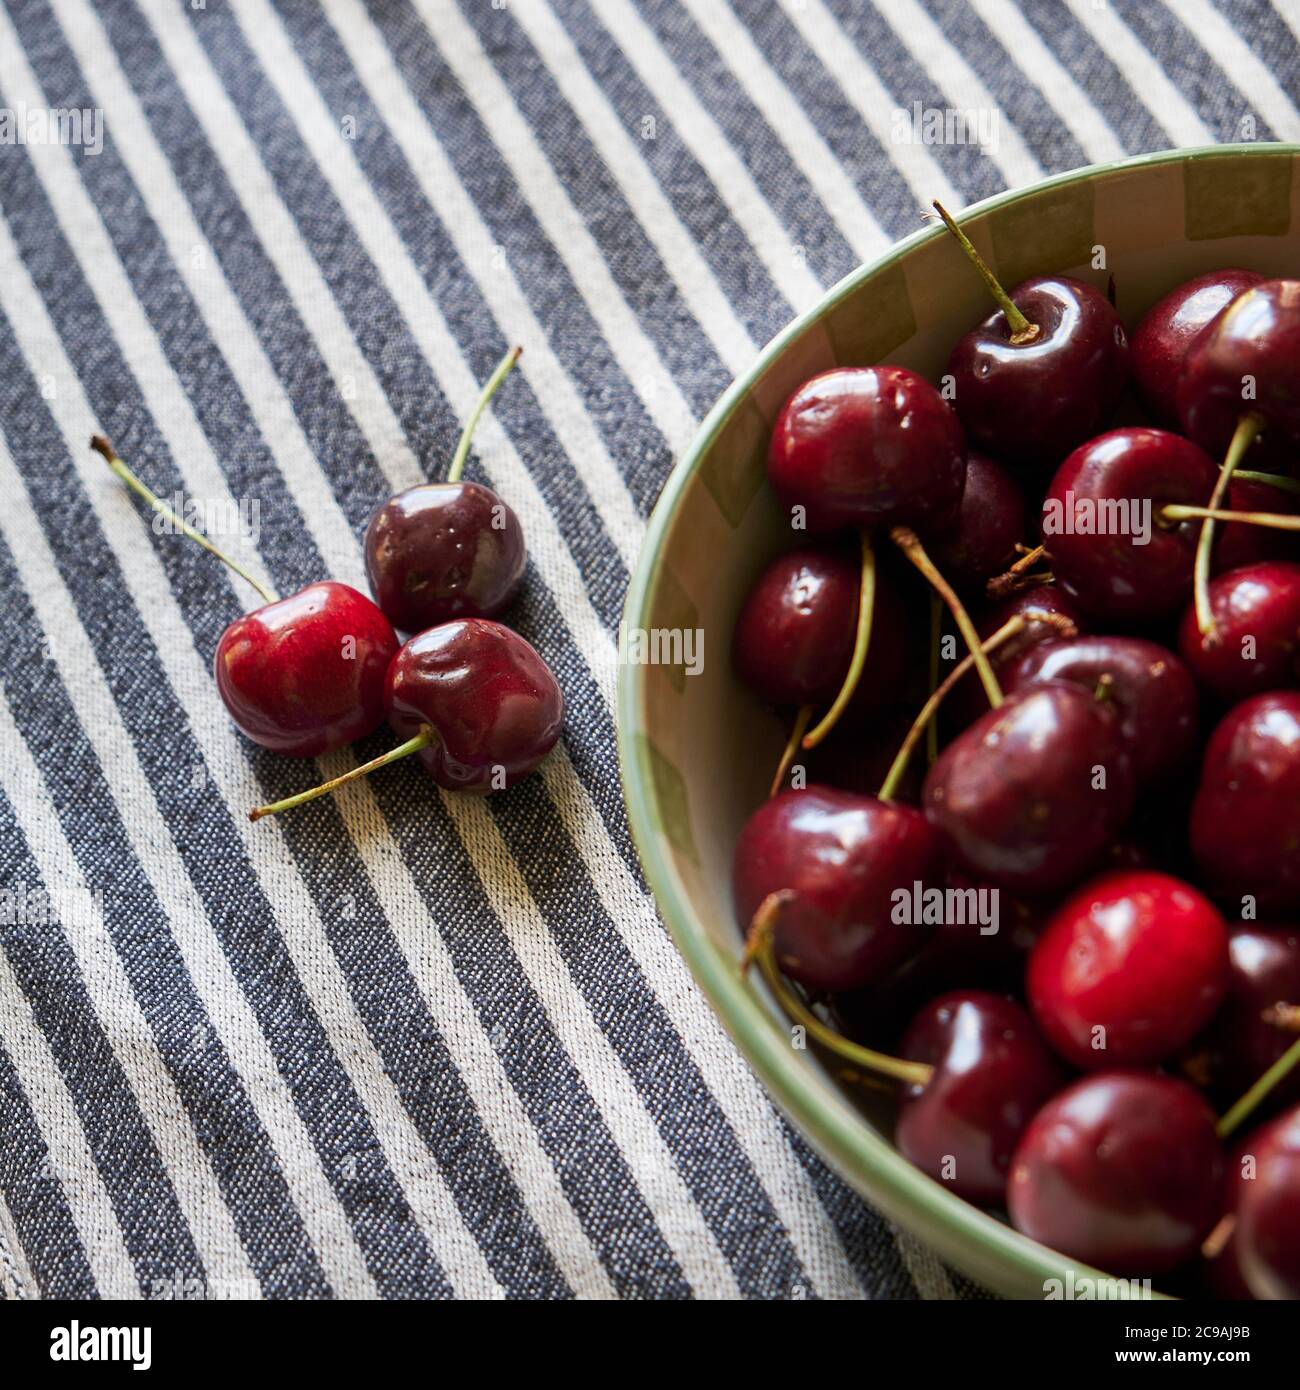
(1128, 970)
(1266, 1236)
(305, 674)
(1256, 647)
(842, 857)
(867, 446)
(1122, 1170)
(1153, 693)
(1031, 794)
(981, 541)
(991, 1075)
(1111, 549)
(1245, 823)
(446, 550)
(1167, 331)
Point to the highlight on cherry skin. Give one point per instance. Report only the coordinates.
(1061, 923)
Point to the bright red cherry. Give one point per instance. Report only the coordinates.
(1111, 549)
(1166, 332)
(1122, 1170)
(1245, 825)
(1031, 794)
(867, 446)
(1257, 632)
(1267, 1207)
(305, 674)
(843, 857)
(981, 541)
(1128, 970)
(991, 1074)
(1153, 692)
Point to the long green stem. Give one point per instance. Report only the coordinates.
(1277, 480)
(909, 543)
(761, 947)
(1022, 331)
(1247, 1104)
(412, 745)
(936, 637)
(1243, 437)
(791, 747)
(101, 446)
(489, 390)
(1276, 521)
(861, 641)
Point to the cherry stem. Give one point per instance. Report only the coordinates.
(936, 638)
(1277, 480)
(791, 747)
(1284, 1016)
(412, 745)
(909, 543)
(925, 719)
(1216, 1242)
(861, 641)
(760, 946)
(1243, 437)
(1015, 578)
(1277, 521)
(1247, 1104)
(489, 390)
(101, 446)
(1022, 331)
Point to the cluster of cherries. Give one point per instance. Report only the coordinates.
(1067, 1067)
(306, 674)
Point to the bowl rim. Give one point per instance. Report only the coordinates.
(820, 1112)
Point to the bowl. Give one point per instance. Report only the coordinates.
(696, 750)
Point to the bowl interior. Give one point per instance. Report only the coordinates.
(696, 749)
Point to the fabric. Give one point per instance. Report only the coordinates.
(404, 1044)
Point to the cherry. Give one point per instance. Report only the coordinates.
(1043, 372)
(841, 857)
(981, 541)
(866, 446)
(447, 550)
(305, 674)
(1030, 795)
(1167, 331)
(1266, 1235)
(1128, 970)
(1112, 549)
(1122, 1170)
(1238, 543)
(474, 700)
(991, 1074)
(1153, 692)
(1256, 641)
(301, 675)
(1245, 823)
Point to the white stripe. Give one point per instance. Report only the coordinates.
(1243, 68)
(15, 1271)
(112, 998)
(71, 1163)
(1143, 74)
(786, 120)
(869, 97)
(925, 1267)
(1073, 106)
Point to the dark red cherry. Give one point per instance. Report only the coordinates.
(1245, 825)
(1153, 692)
(444, 550)
(1102, 526)
(1128, 970)
(867, 446)
(1237, 543)
(1122, 1170)
(305, 674)
(1257, 622)
(1030, 795)
(981, 541)
(1267, 1207)
(843, 857)
(492, 703)
(1032, 402)
(991, 1074)
(1168, 329)
(1247, 360)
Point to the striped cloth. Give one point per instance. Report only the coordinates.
(402, 1044)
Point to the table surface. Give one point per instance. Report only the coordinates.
(405, 1044)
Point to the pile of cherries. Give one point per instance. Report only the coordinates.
(1083, 1066)
(306, 674)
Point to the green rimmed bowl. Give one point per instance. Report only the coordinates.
(696, 750)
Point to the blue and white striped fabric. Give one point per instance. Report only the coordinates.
(402, 1044)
